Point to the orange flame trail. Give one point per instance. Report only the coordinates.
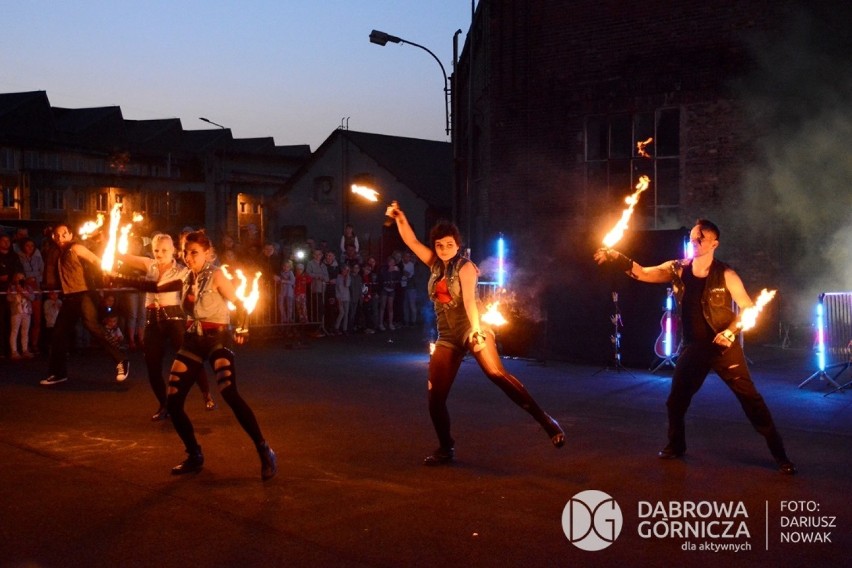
(89, 227)
(640, 147)
(617, 232)
(748, 318)
(365, 192)
(108, 258)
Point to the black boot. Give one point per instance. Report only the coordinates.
(192, 464)
(441, 456)
(268, 462)
(554, 430)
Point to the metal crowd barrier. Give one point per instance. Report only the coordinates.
(834, 338)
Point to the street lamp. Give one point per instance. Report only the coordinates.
(207, 120)
(382, 38)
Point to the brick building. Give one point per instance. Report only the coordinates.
(551, 98)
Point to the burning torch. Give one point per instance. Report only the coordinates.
(748, 318)
(371, 194)
(248, 299)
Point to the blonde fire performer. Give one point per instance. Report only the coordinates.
(206, 293)
(452, 288)
(705, 288)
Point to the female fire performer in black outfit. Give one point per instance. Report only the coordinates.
(164, 317)
(206, 293)
(452, 288)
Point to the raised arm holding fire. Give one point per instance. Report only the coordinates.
(705, 289)
(452, 289)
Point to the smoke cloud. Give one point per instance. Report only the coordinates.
(800, 192)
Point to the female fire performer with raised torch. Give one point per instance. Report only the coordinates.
(452, 288)
(705, 289)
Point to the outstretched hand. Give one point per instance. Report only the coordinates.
(622, 262)
(601, 255)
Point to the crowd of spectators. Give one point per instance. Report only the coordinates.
(307, 286)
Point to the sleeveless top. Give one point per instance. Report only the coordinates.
(161, 299)
(446, 294)
(200, 301)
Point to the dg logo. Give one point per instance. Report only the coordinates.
(591, 520)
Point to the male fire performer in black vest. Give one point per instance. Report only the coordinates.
(705, 288)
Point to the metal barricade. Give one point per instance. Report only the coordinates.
(834, 337)
(267, 314)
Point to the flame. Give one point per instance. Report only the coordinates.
(123, 240)
(748, 317)
(617, 232)
(365, 192)
(431, 347)
(89, 227)
(492, 315)
(640, 148)
(249, 299)
(108, 258)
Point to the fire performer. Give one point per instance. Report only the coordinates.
(705, 288)
(80, 302)
(452, 288)
(206, 293)
(165, 320)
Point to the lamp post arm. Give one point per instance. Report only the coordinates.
(446, 84)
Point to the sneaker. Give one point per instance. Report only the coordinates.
(52, 380)
(28, 355)
(15, 357)
(122, 370)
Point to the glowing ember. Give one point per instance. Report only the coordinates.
(89, 227)
(617, 232)
(640, 148)
(365, 192)
(748, 318)
(108, 258)
(492, 315)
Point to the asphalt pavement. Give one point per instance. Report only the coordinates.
(85, 475)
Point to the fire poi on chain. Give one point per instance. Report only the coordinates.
(748, 317)
(617, 232)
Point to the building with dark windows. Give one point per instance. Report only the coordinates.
(733, 109)
(59, 164)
